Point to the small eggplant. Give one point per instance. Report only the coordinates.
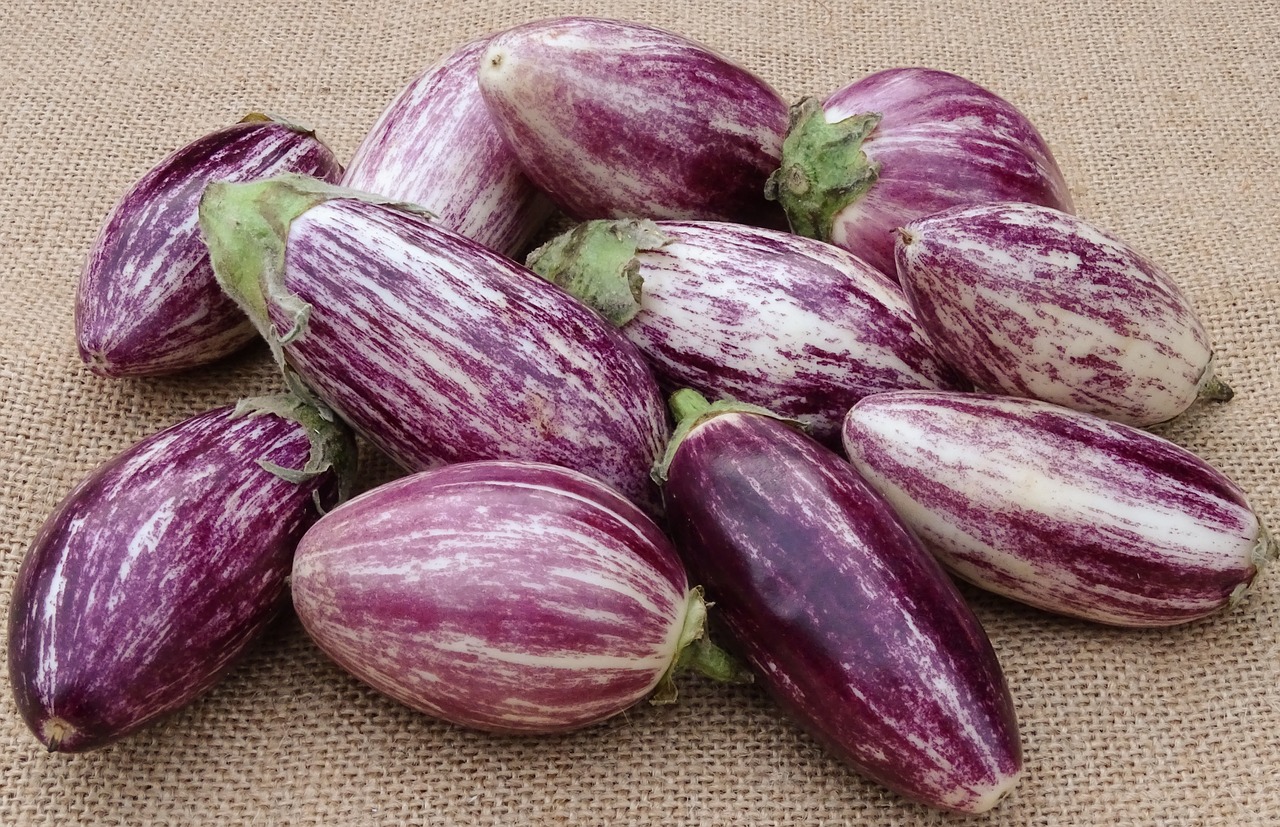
(436, 145)
(1028, 301)
(165, 564)
(511, 597)
(147, 302)
(1063, 510)
(436, 348)
(844, 617)
(765, 317)
(901, 144)
(618, 120)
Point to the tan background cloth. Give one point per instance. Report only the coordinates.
(1165, 116)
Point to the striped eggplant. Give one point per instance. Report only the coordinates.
(147, 302)
(1029, 301)
(618, 120)
(736, 312)
(436, 145)
(163, 565)
(844, 617)
(512, 597)
(903, 143)
(1063, 510)
(436, 348)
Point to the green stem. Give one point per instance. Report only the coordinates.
(691, 409)
(694, 651)
(332, 444)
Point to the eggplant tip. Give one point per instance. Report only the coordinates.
(55, 732)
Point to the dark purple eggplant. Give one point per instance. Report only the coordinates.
(842, 614)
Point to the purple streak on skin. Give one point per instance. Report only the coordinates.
(846, 619)
(154, 574)
(506, 596)
(1063, 510)
(148, 303)
(436, 145)
(1029, 301)
(618, 120)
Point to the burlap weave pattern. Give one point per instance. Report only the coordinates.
(1165, 118)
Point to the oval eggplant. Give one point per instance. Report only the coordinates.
(845, 618)
(147, 302)
(436, 348)
(505, 596)
(618, 120)
(436, 145)
(765, 317)
(1029, 301)
(1063, 510)
(901, 144)
(163, 565)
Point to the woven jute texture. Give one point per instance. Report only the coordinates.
(1163, 114)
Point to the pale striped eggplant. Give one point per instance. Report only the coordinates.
(147, 302)
(436, 145)
(436, 348)
(903, 143)
(162, 566)
(736, 312)
(618, 120)
(844, 617)
(1063, 510)
(512, 597)
(1029, 301)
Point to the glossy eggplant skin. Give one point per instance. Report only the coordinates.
(436, 145)
(160, 568)
(1063, 510)
(147, 303)
(845, 618)
(619, 120)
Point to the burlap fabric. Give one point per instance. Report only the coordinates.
(1164, 115)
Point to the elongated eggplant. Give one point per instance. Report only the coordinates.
(147, 302)
(901, 144)
(506, 596)
(1029, 301)
(165, 564)
(765, 317)
(436, 348)
(618, 120)
(1063, 510)
(845, 618)
(436, 145)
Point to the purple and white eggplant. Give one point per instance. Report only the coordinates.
(166, 563)
(845, 618)
(436, 348)
(1029, 301)
(436, 145)
(735, 312)
(147, 302)
(511, 597)
(903, 143)
(619, 120)
(1063, 510)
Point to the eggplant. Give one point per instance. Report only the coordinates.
(901, 144)
(618, 120)
(511, 597)
(844, 617)
(436, 145)
(736, 312)
(1059, 509)
(434, 347)
(166, 563)
(1029, 301)
(147, 302)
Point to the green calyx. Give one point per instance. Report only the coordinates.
(333, 446)
(694, 651)
(690, 410)
(824, 168)
(596, 262)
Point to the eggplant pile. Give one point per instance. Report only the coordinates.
(892, 353)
